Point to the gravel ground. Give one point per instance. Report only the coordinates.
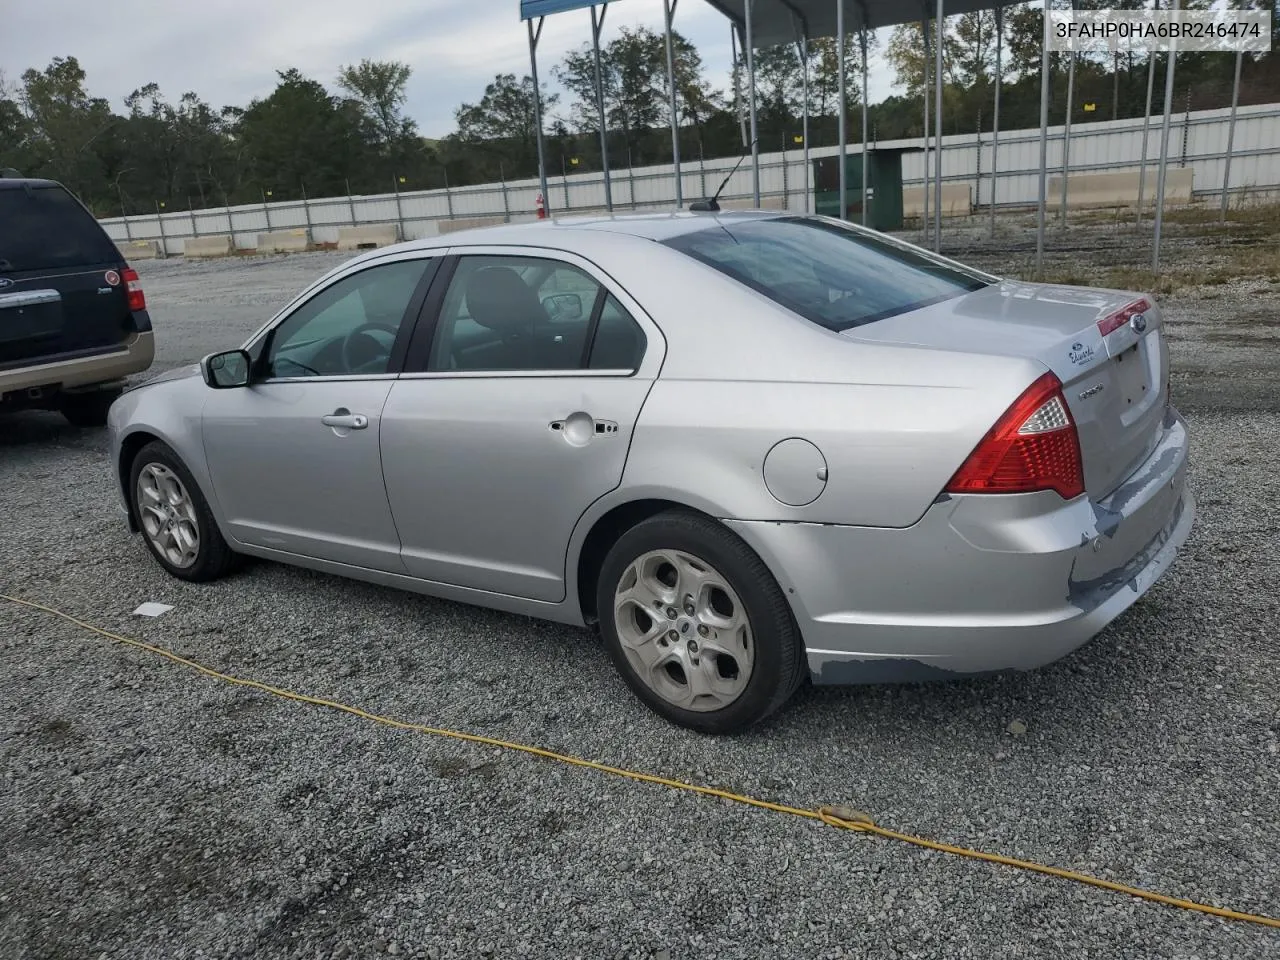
(148, 812)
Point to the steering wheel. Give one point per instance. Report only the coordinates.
(348, 354)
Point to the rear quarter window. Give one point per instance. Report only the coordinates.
(832, 274)
(45, 228)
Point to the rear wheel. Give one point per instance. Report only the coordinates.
(697, 625)
(87, 409)
(174, 517)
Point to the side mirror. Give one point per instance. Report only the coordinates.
(564, 306)
(225, 370)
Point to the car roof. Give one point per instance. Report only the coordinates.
(21, 183)
(579, 234)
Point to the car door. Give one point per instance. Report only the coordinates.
(294, 456)
(513, 415)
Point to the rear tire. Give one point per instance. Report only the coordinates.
(730, 656)
(174, 517)
(87, 409)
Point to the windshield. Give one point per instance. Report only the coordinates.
(44, 228)
(833, 274)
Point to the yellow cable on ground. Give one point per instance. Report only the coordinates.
(841, 817)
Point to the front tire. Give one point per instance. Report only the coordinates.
(174, 517)
(87, 409)
(697, 625)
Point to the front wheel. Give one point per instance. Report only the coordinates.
(174, 517)
(697, 625)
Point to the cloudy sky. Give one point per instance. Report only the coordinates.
(227, 51)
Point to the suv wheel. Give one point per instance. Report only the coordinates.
(87, 409)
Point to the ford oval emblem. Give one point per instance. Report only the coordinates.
(1139, 323)
(5, 283)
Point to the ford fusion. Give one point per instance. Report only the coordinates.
(752, 448)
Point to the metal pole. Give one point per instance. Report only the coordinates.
(506, 200)
(863, 43)
(669, 10)
(1164, 147)
(128, 230)
(534, 35)
(995, 118)
(802, 49)
(597, 25)
(266, 207)
(1044, 142)
(631, 181)
(351, 203)
(1231, 134)
(1146, 129)
(448, 194)
(939, 41)
(1066, 136)
(842, 123)
(164, 241)
(191, 212)
(231, 229)
(306, 206)
(751, 102)
(564, 176)
(786, 186)
(924, 219)
(395, 183)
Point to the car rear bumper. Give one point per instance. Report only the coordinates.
(134, 355)
(982, 583)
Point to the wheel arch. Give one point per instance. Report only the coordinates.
(610, 518)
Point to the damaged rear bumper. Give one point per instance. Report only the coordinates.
(981, 583)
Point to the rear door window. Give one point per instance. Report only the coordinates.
(835, 275)
(45, 228)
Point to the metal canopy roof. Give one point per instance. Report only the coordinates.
(532, 9)
(779, 21)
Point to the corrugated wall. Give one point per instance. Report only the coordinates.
(1197, 140)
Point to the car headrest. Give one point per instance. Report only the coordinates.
(498, 299)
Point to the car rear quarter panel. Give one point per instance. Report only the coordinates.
(741, 374)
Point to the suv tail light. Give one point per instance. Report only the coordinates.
(137, 299)
(1033, 446)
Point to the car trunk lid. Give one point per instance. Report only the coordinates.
(1106, 346)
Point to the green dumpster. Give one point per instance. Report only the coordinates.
(884, 187)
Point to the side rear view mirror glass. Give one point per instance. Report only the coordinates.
(224, 370)
(564, 306)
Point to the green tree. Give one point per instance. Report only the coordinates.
(379, 87)
(503, 124)
(301, 134)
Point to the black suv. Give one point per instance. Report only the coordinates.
(73, 318)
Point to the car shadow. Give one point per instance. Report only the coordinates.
(25, 428)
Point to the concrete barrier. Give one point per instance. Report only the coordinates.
(142, 250)
(219, 246)
(1094, 190)
(957, 200)
(284, 241)
(467, 223)
(368, 237)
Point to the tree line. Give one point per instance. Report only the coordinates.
(310, 139)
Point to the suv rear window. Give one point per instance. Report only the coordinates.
(43, 228)
(836, 275)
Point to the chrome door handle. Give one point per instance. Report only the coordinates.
(342, 419)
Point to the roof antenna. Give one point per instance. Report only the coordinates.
(712, 206)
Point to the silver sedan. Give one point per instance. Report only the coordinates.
(753, 448)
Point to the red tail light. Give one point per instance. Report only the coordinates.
(137, 299)
(1122, 316)
(1034, 446)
